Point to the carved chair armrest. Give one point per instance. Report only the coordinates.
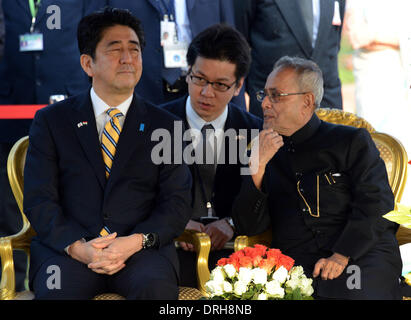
(202, 245)
(18, 241)
(241, 242)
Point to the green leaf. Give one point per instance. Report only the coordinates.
(296, 295)
(401, 216)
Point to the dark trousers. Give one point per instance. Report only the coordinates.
(147, 275)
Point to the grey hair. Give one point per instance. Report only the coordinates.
(310, 77)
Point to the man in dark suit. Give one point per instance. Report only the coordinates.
(323, 190)
(162, 83)
(32, 76)
(310, 29)
(219, 59)
(105, 214)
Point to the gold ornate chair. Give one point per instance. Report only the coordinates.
(391, 151)
(21, 241)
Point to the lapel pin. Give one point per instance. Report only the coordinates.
(82, 123)
(141, 127)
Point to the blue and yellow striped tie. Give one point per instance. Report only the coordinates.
(109, 138)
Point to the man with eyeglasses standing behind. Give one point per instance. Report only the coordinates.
(218, 59)
(322, 188)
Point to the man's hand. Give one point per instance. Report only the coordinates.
(330, 268)
(269, 142)
(121, 248)
(191, 225)
(220, 232)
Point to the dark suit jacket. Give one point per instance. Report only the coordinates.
(67, 197)
(354, 194)
(201, 14)
(275, 28)
(228, 179)
(31, 77)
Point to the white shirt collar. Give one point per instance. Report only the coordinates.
(196, 122)
(99, 106)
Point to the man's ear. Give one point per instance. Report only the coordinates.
(238, 86)
(86, 63)
(309, 101)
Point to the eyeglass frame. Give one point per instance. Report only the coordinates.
(212, 83)
(268, 93)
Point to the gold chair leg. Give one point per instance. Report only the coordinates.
(7, 284)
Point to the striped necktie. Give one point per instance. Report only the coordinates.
(109, 138)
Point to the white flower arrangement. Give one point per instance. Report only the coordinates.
(258, 273)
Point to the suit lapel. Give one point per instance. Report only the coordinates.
(293, 17)
(190, 5)
(326, 17)
(84, 124)
(133, 134)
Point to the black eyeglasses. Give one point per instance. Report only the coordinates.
(218, 86)
(274, 95)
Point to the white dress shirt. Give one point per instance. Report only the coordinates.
(316, 20)
(182, 21)
(197, 123)
(100, 108)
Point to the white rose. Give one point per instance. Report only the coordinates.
(227, 287)
(280, 275)
(274, 289)
(306, 287)
(262, 296)
(218, 275)
(259, 276)
(245, 275)
(296, 272)
(230, 270)
(209, 286)
(214, 288)
(240, 288)
(293, 283)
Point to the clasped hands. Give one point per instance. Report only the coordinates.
(219, 231)
(106, 255)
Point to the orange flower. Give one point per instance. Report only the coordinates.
(234, 262)
(222, 262)
(246, 262)
(285, 261)
(267, 265)
(274, 254)
(261, 249)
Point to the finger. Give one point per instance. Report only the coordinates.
(117, 269)
(103, 242)
(219, 243)
(104, 261)
(336, 272)
(317, 268)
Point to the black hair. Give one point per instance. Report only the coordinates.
(90, 28)
(224, 43)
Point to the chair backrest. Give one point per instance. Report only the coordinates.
(15, 171)
(391, 150)
(395, 158)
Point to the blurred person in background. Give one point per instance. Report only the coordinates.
(380, 36)
(310, 29)
(169, 27)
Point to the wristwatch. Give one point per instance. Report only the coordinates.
(230, 222)
(149, 240)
